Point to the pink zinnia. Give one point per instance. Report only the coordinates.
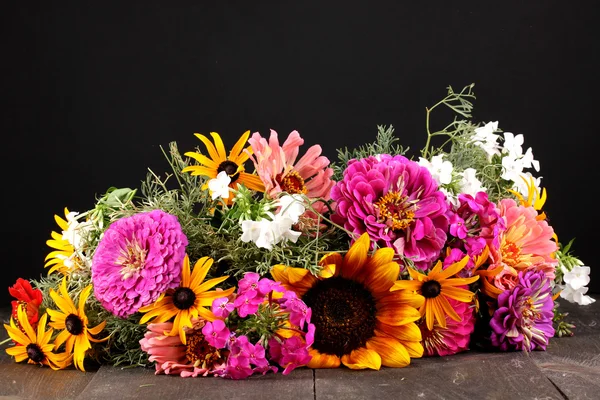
(527, 243)
(397, 203)
(138, 258)
(195, 358)
(280, 172)
(455, 337)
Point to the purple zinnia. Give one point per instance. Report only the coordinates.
(396, 201)
(138, 259)
(523, 320)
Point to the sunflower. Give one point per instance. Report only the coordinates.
(218, 161)
(359, 322)
(64, 259)
(35, 348)
(188, 300)
(437, 287)
(72, 320)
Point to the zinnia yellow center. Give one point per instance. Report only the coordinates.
(343, 312)
(230, 168)
(510, 253)
(292, 183)
(395, 210)
(132, 259)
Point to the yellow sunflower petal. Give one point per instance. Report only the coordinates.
(453, 269)
(219, 145)
(395, 316)
(201, 268)
(362, 358)
(237, 148)
(408, 332)
(332, 261)
(320, 360)
(414, 348)
(297, 279)
(457, 294)
(382, 277)
(212, 152)
(404, 297)
(355, 258)
(251, 181)
(392, 352)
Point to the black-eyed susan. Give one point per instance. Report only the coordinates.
(359, 322)
(188, 301)
(65, 258)
(74, 322)
(218, 160)
(35, 347)
(437, 287)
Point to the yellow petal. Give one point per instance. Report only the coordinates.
(457, 294)
(447, 308)
(414, 348)
(320, 360)
(201, 268)
(355, 258)
(185, 272)
(402, 297)
(203, 160)
(251, 181)
(395, 316)
(236, 150)
(24, 322)
(209, 284)
(408, 332)
(362, 358)
(201, 171)
(392, 352)
(429, 316)
(453, 269)
(219, 145)
(438, 311)
(405, 284)
(212, 152)
(382, 277)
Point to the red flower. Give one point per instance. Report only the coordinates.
(27, 297)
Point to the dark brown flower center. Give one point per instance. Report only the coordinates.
(343, 312)
(34, 353)
(184, 298)
(73, 324)
(230, 168)
(431, 289)
(292, 183)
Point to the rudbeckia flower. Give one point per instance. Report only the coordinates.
(34, 346)
(359, 322)
(218, 161)
(189, 300)
(74, 322)
(437, 287)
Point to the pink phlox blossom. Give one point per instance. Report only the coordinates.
(247, 303)
(216, 333)
(222, 307)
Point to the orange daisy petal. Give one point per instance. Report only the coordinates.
(362, 358)
(392, 352)
(355, 259)
(320, 360)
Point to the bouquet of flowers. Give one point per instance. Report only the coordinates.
(259, 260)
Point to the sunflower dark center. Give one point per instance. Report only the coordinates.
(184, 298)
(431, 289)
(73, 324)
(343, 312)
(230, 168)
(34, 353)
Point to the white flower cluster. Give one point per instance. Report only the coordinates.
(575, 288)
(442, 171)
(514, 161)
(76, 235)
(267, 232)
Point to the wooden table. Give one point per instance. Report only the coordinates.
(569, 369)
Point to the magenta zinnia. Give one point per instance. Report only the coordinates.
(523, 319)
(396, 202)
(138, 259)
(455, 337)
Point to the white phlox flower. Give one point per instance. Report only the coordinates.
(219, 186)
(469, 184)
(441, 171)
(575, 288)
(292, 206)
(485, 138)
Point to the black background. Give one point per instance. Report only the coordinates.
(93, 89)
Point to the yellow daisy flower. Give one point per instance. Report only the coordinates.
(359, 322)
(64, 258)
(218, 161)
(436, 287)
(34, 346)
(188, 300)
(76, 335)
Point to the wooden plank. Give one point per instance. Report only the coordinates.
(573, 363)
(23, 381)
(464, 376)
(136, 383)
